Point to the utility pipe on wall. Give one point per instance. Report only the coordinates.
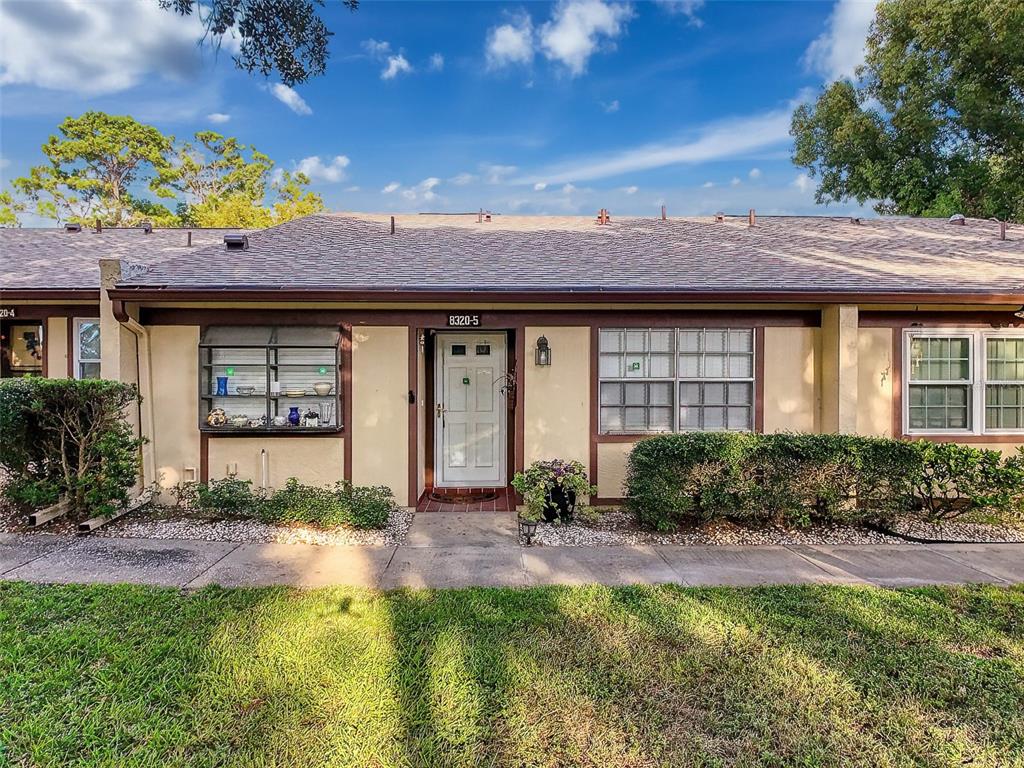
(144, 362)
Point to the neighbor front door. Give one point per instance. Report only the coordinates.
(469, 412)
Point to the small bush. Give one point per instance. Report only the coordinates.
(342, 505)
(799, 479)
(70, 438)
(229, 497)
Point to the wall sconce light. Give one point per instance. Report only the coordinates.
(543, 354)
(1019, 313)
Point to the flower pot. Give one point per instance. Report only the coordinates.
(527, 529)
(561, 504)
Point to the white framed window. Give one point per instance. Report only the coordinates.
(963, 381)
(655, 380)
(87, 348)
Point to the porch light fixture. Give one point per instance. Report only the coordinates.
(1019, 313)
(543, 354)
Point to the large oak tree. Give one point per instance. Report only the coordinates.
(933, 122)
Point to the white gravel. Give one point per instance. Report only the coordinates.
(163, 524)
(617, 528)
(960, 531)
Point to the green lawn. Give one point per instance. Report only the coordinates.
(807, 676)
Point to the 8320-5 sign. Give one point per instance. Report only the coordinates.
(463, 321)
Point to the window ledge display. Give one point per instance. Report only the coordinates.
(269, 380)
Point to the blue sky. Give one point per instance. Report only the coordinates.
(556, 108)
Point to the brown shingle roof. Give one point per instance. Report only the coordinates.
(52, 259)
(356, 252)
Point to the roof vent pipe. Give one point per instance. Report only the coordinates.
(719, 217)
(392, 225)
(188, 238)
(663, 214)
(1002, 227)
(147, 227)
(480, 217)
(603, 217)
(751, 218)
(958, 218)
(75, 227)
(99, 225)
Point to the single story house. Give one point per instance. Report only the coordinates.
(434, 352)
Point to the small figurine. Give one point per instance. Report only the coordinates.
(311, 419)
(217, 418)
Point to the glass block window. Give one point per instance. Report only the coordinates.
(940, 383)
(1004, 383)
(87, 348)
(970, 381)
(666, 379)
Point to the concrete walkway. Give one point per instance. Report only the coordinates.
(481, 549)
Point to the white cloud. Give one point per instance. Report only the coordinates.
(396, 65)
(839, 50)
(290, 98)
(568, 189)
(510, 43)
(354, 188)
(317, 170)
(540, 186)
(610, 106)
(378, 49)
(436, 62)
(578, 28)
(708, 184)
(462, 179)
(97, 47)
(755, 173)
(218, 118)
(632, 190)
(422, 191)
(496, 174)
(803, 183)
(715, 141)
(687, 8)
(735, 181)
(389, 188)
(4, 162)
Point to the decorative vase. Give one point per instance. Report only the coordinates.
(222, 386)
(293, 416)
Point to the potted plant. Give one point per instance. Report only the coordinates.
(551, 489)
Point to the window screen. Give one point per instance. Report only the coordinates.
(1004, 383)
(940, 383)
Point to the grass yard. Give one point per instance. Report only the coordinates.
(790, 676)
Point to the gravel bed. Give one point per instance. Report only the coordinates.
(616, 528)
(162, 524)
(960, 531)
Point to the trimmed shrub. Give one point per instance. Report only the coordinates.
(70, 438)
(342, 505)
(800, 479)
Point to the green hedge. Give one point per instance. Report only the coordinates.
(800, 479)
(67, 438)
(342, 505)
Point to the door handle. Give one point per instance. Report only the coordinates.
(441, 410)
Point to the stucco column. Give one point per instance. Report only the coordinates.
(839, 376)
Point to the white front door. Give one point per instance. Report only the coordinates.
(469, 413)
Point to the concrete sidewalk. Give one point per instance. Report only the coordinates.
(481, 550)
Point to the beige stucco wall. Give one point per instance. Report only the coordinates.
(55, 344)
(380, 408)
(792, 376)
(611, 468)
(839, 333)
(874, 382)
(316, 461)
(175, 365)
(557, 397)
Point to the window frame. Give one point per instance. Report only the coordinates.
(676, 379)
(77, 326)
(977, 384)
(271, 370)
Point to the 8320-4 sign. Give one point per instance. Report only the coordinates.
(463, 321)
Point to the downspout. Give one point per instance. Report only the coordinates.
(144, 362)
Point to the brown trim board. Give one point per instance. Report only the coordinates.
(346, 397)
(413, 379)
